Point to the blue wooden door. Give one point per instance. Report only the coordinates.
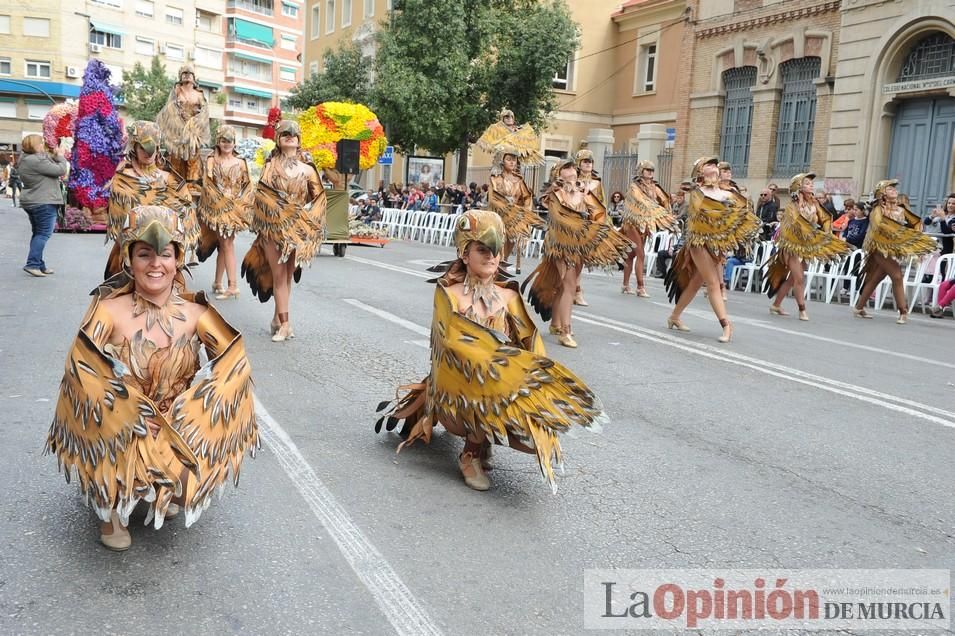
(921, 153)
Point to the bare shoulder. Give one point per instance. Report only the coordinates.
(117, 306)
(194, 310)
(508, 294)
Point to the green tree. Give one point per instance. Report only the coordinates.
(446, 68)
(145, 92)
(346, 78)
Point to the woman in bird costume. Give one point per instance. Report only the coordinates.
(289, 218)
(490, 381)
(138, 418)
(646, 209)
(895, 233)
(139, 181)
(575, 239)
(184, 122)
(225, 207)
(508, 194)
(590, 182)
(805, 234)
(718, 221)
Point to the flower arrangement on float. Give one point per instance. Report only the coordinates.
(59, 123)
(324, 125)
(99, 140)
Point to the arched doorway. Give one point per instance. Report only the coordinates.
(923, 132)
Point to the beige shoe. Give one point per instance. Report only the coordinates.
(472, 472)
(625, 289)
(579, 300)
(283, 333)
(172, 511)
(903, 318)
(554, 331)
(567, 340)
(118, 540)
(860, 313)
(642, 293)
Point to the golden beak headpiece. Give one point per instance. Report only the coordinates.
(483, 226)
(155, 225)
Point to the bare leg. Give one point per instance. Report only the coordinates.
(220, 265)
(227, 254)
(628, 268)
(280, 282)
(640, 264)
(687, 296)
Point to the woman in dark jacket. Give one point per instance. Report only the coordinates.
(40, 172)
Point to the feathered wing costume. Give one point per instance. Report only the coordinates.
(521, 142)
(647, 214)
(806, 234)
(109, 392)
(185, 129)
(893, 238)
(576, 238)
(129, 190)
(289, 212)
(492, 380)
(514, 203)
(720, 227)
(225, 203)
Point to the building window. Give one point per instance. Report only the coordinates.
(289, 10)
(5, 67)
(370, 8)
(235, 102)
(8, 109)
(256, 6)
(208, 57)
(346, 13)
(250, 69)
(737, 117)
(109, 3)
(207, 22)
(329, 16)
(174, 16)
(109, 40)
(316, 21)
(563, 79)
(36, 27)
(38, 69)
(145, 46)
(175, 52)
(797, 115)
(933, 56)
(286, 74)
(313, 68)
(37, 110)
(4, 24)
(288, 42)
(145, 8)
(646, 68)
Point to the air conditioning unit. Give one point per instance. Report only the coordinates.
(73, 71)
(96, 48)
(162, 49)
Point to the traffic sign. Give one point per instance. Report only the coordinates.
(388, 157)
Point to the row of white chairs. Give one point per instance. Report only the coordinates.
(922, 277)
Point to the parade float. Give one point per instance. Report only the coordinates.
(323, 127)
(98, 134)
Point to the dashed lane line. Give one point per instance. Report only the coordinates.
(394, 599)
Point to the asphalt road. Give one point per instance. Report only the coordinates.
(825, 444)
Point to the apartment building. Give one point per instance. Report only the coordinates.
(263, 59)
(46, 46)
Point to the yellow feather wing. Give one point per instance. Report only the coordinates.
(481, 381)
(100, 435)
(577, 239)
(216, 415)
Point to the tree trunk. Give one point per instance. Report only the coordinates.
(463, 161)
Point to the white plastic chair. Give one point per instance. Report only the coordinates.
(946, 262)
(534, 245)
(654, 243)
(842, 273)
(761, 254)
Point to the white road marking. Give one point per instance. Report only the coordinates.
(811, 336)
(871, 396)
(878, 398)
(394, 268)
(381, 313)
(393, 597)
(424, 344)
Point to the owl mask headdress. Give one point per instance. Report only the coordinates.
(483, 226)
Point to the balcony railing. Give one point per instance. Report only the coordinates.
(263, 7)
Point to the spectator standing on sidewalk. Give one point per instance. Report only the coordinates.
(40, 169)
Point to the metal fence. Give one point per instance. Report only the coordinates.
(618, 172)
(665, 170)
(534, 176)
